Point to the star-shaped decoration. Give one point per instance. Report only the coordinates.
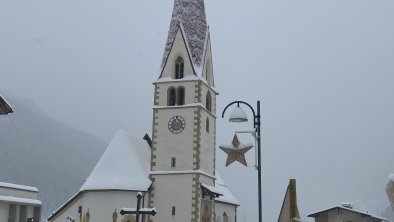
(236, 151)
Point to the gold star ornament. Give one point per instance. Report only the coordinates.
(236, 151)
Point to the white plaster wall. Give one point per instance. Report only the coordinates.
(101, 205)
(171, 145)
(4, 211)
(173, 190)
(30, 211)
(178, 49)
(230, 210)
(207, 143)
(348, 216)
(207, 154)
(207, 180)
(70, 211)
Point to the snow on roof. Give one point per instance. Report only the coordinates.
(18, 187)
(349, 209)
(222, 188)
(124, 165)
(11, 199)
(211, 189)
(191, 15)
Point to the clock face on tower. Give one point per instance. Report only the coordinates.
(176, 124)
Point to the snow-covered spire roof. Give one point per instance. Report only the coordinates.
(191, 14)
(124, 165)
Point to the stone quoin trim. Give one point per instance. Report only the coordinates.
(154, 139)
(198, 92)
(196, 198)
(156, 98)
(197, 139)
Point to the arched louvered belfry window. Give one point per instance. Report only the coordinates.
(171, 96)
(208, 102)
(181, 96)
(179, 67)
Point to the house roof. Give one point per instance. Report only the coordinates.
(124, 165)
(190, 14)
(20, 200)
(18, 187)
(5, 107)
(222, 188)
(362, 213)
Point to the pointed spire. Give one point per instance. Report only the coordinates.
(191, 14)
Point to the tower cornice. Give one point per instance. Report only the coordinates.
(192, 105)
(186, 79)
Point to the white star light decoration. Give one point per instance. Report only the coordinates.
(236, 151)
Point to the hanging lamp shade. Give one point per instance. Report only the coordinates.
(238, 115)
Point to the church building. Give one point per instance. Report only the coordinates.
(175, 170)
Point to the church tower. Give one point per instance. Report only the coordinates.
(184, 121)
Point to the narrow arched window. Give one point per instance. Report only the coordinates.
(181, 96)
(171, 96)
(208, 102)
(179, 65)
(207, 125)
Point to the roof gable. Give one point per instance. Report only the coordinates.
(124, 166)
(179, 47)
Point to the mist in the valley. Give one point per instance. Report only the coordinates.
(323, 70)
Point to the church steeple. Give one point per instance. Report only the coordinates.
(188, 15)
(184, 120)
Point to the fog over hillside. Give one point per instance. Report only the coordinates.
(39, 151)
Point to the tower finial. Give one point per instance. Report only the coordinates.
(190, 15)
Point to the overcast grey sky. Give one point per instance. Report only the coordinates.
(322, 69)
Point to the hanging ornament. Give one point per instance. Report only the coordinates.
(236, 151)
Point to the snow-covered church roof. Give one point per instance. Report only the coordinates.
(191, 15)
(124, 165)
(221, 187)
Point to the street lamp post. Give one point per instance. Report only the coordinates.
(238, 115)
